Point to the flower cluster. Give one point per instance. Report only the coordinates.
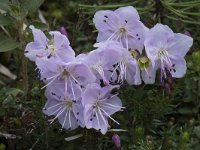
(79, 89)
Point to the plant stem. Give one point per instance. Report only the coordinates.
(22, 57)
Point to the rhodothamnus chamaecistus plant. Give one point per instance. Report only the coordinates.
(79, 88)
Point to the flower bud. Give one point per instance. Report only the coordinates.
(63, 31)
(187, 33)
(116, 141)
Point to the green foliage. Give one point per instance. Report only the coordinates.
(152, 120)
(7, 44)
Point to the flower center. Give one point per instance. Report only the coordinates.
(122, 30)
(96, 104)
(162, 53)
(64, 74)
(68, 103)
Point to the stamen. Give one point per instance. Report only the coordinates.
(112, 36)
(102, 117)
(65, 118)
(56, 110)
(75, 79)
(97, 119)
(66, 87)
(54, 106)
(72, 88)
(49, 83)
(109, 116)
(70, 124)
(115, 106)
(60, 112)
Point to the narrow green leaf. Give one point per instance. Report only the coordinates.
(6, 20)
(73, 137)
(40, 25)
(185, 110)
(4, 4)
(31, 5)
(7, 44)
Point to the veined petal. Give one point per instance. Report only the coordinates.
(128, 13)
(112, 105)
(39, 36)
(149, 74)
(106, 20)
(90, 94)
(34, 49)
(133, 73)
(179, 45)
(81, 73)
(179, 68)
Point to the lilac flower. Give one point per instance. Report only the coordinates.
(122, 25)
(126, 67)
(167, 49)
(65, 107)
(57, 46)
(55, 71)
(102, 59)
(99, 104)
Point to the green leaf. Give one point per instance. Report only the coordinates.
(6, 20)
(31, 5)
(7, 44)
(185, 110)
(4, 4)
(17, 12)
(40, 25)
(197, 131)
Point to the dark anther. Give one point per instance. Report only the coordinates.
(91, 119)
(174, 70)
(106, 16)
(74, 101)
(104, 20)
(94, 115)
(49, 56)
(136, 34)
(26, 51)
(138, 38)
(93, 106)
(53, 93)
(77, 120)
(126, 21)
(77, 113)
(173, 65)
(99, 129)
(44, 78)
(82, 86)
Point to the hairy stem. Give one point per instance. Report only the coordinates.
(24, 72)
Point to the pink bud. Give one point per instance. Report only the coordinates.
(116, 141)
(187, 33)
(63, 31)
